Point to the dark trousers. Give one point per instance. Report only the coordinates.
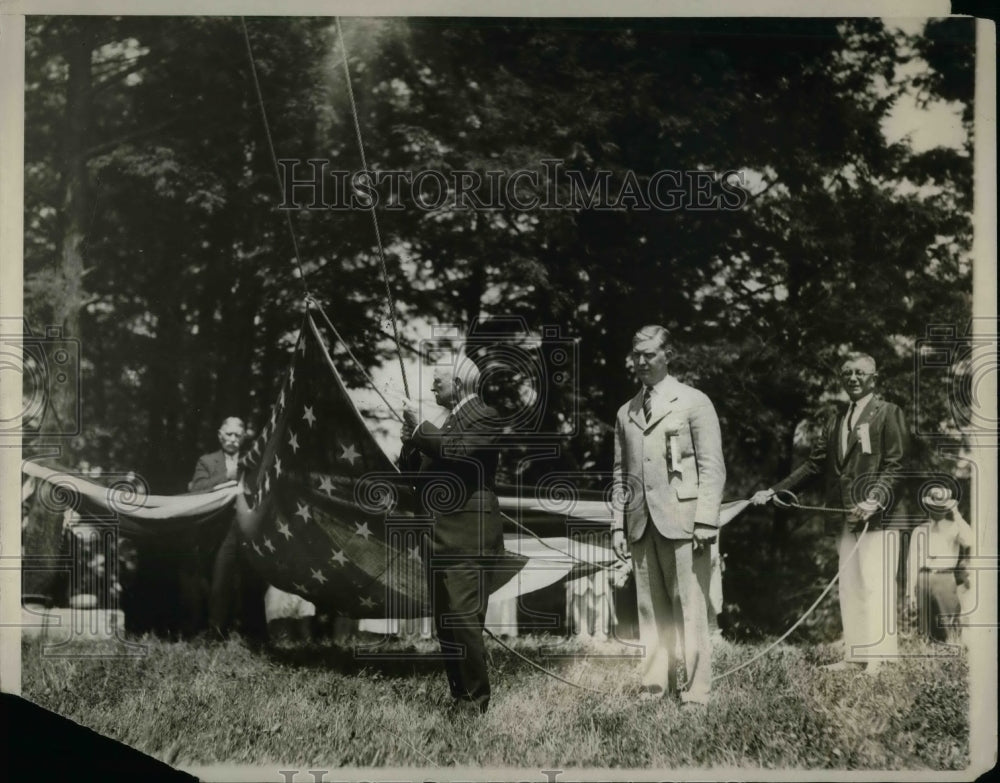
(460, 592)
(237, 592)
(938, 605)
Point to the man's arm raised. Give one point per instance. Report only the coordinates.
(813, 466)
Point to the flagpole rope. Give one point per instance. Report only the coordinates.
(541, 668)
(542, 542)
(310, 300)
(274, 156)
(793, 503)
(390, 301)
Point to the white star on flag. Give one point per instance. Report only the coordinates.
(349, 453)
(339, 558)
(307, 457)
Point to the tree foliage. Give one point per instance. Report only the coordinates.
(153, 233)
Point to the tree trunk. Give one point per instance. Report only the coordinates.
(62, 417)
(61, 421)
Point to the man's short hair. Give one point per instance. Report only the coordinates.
(653, 332)
(232, 420)
(462, 369)
(857, 356)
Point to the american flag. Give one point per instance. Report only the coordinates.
(318, 491)
(324, 511)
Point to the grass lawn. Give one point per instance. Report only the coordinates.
(320, 706)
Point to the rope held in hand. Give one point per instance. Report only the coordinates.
(793, 502)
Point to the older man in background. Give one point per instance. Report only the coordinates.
(233, 584)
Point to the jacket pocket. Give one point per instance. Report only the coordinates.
(685, 482)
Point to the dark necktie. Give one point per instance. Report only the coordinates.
(847, 429)
(647, 403)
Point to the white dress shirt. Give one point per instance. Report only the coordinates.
(855, 414)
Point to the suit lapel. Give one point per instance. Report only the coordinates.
(662, 403)
(635, 411)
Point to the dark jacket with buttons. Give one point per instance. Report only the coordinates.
(210, 470)
(870, 467)
(456, 465)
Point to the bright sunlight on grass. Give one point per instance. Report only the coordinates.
(192, 703)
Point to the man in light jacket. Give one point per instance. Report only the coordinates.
(670, 472)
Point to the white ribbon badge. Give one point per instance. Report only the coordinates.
(865, 437)
(674, 453)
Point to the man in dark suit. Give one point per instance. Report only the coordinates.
(220, 466)
(668, 449)
(467, 533)
(232, 581)
(860, 456)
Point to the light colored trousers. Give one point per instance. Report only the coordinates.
(672, 585)
(868, 594)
